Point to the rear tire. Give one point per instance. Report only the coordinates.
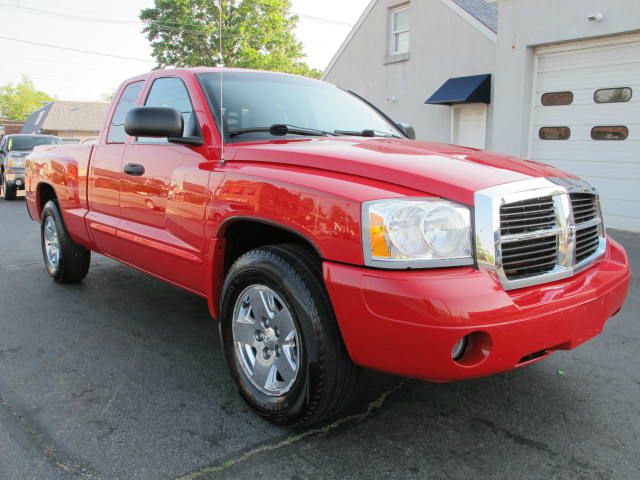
(65, 260)
(7, 193)
(320, 379)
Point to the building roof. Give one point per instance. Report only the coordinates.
(67, 116)
(482, 14)
(485, 13)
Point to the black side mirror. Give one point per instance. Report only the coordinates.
(154, 122)
(407, 129)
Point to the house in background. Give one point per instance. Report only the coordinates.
(67, 119)
(555, 81)
(400, 53)
(9, 127)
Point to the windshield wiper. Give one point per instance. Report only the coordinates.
(366, 133)
(281, 129)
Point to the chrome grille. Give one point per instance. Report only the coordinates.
(528, 257)
(527, 216)
(585, 207)
(587, 241)
(538, 230)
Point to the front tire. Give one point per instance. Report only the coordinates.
(7, 193)
(65, 260)
(281, 339)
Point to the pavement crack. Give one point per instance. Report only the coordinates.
(515, 437)
(373, 406)
(22, 429)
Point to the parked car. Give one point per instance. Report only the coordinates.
(324, 238)
(89, 140)
(70, 140)
(13, 151)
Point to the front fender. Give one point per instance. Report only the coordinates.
(322, 207)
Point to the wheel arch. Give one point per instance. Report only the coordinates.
(44, 193)
(240, 234)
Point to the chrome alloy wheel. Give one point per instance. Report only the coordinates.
(266, 341)
(51, 243)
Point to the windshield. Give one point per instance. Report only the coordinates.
(261, 100)
(30, 142)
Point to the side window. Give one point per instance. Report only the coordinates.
(126, 103)
(171, 92)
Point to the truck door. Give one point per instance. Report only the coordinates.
(105, 172)
(163, 195)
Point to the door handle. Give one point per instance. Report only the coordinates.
(133, 169)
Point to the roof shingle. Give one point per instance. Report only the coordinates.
(486, 13)
(67, 116)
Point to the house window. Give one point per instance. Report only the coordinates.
(612, 95)
(399, 30)
(554, 133)
(619, 132)
(553, 99)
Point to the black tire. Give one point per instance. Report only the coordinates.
(7, 193)
(73, 261)
(326, 375)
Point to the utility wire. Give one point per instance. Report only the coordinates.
(78, 50)
(139, 22)
(160, 26)
(62, 77)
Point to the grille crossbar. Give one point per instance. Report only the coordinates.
(522, 257)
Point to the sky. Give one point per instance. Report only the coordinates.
(112, 27)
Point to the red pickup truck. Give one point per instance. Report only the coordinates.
(325, 238)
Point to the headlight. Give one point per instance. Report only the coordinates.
(16, 162)
(412, 233)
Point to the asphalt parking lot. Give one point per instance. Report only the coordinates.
(122, 377)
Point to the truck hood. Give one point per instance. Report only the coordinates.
(18, 153)
(444, 170)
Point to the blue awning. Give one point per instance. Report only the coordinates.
(473, 89)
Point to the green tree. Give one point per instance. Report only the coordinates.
(19, 100)
(255, 34)
(107, 96)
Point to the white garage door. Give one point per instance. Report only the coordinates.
(586, 119)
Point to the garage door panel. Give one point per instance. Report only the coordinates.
(600, 170)
(590, 58)
(619, 207)
(605, 114)
(625, 151)
(594, 78)
(612, 166)
(580, 145)
(616, 214)
(616, 191)
(623, 222)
